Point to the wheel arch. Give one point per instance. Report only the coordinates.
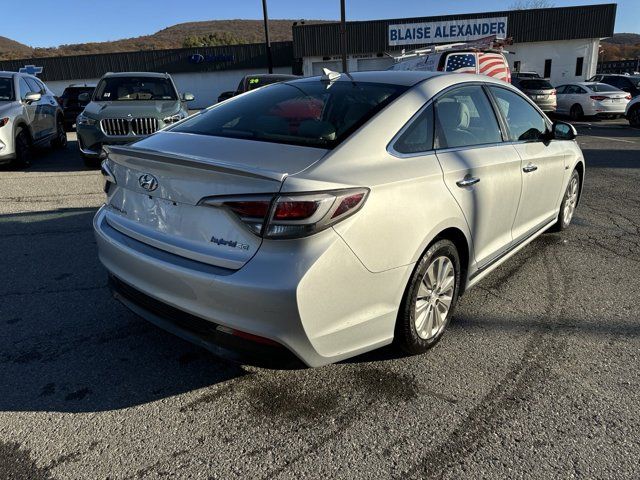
(580, 169)
(460, 240)
(21, 123)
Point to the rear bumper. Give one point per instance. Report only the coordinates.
(312, 296)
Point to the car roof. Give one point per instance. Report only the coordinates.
(135, 74)
(394, 77)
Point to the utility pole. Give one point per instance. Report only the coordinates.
(343, 36)
(267, 43)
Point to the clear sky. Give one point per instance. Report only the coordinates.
(46, 23)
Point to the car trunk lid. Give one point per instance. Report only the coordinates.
(161, 180)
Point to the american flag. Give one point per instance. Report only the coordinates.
(494, 65)
(461, 63)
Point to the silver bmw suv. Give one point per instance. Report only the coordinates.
(332, 215)
(30, 116)
(126, 107)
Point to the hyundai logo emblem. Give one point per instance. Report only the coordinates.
(148, 182)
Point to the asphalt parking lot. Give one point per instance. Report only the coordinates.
(537, 376)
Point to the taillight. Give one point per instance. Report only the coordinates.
(293, 215)
(553, 93)
(251, 212)
(628, 97)
(598, 97)
(294, 210)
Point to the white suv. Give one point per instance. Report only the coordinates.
(29, 116)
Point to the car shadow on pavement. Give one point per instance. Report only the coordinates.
(53, 160)
(67, 345)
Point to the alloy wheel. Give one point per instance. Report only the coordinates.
(434, 298)
(571, 200)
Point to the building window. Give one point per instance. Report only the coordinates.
(547, 68)
(579, 62)
(516, 65)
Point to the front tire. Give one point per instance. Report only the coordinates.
(569, 203)
(576, 112)
(430, 298)
(61, 135)
(23, 148)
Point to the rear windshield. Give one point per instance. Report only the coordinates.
(6, 89)
(135, 88)
(603, 87)
(536, 84)
(310, 113)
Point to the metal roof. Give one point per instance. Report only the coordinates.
(198, 59)
(533, 25)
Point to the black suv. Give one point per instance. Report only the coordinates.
(627, 83)
(70, 104)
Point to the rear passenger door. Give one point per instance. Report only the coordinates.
(480, 170)
(542, 162)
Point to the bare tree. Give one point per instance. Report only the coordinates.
(529, 4)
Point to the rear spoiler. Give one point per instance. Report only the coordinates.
(193, 161)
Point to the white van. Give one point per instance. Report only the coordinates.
(490, 62)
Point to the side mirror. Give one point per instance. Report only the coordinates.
(32, 97)
(188, 97)
(564, 131)
(83, 97)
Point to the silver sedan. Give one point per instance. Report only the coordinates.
(329, 216)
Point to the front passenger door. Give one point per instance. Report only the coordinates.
(46, 110)
(481, 172)
(542, 162)
(30, 109)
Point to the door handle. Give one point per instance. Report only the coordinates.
(530, 168)
(467, 181)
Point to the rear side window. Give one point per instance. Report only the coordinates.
(464, 117)
(523, 120)
(418, 137)
(603, 87)
(310, 113)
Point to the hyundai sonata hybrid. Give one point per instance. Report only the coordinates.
(332, 215)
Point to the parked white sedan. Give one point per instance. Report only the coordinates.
(591, 99)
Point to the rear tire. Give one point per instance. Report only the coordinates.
(576, 112)
(634, 116)
(429, 299)
(23, 148)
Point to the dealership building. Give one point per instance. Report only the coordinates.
(561, 44)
